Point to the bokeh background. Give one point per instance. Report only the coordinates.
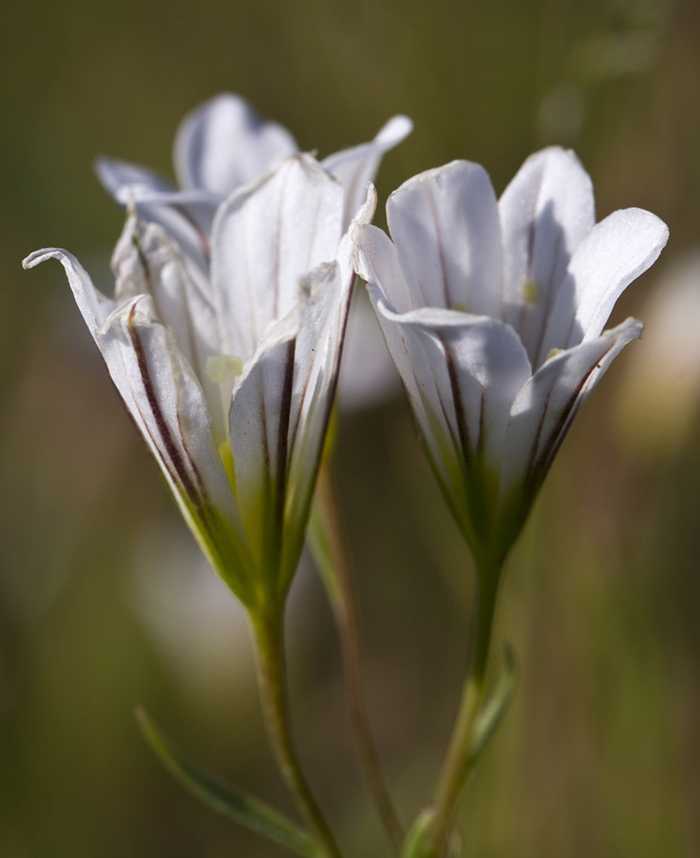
(103, 599)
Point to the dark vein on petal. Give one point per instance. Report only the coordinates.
(540, 426)
(456, 443)
(283, 430)
(462, 427)
(572, 409)
(154, 405)
(558, 433)
(302, 399)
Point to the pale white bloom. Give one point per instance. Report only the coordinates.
(493, 311)
(220, 146)
(231, 380)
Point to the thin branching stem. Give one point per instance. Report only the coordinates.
(348, 621)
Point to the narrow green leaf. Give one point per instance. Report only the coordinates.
(494, 709)
(224, 799)
(416, 843)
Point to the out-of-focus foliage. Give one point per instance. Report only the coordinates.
(101, 606)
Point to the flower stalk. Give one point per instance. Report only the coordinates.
(268, 631)
(344, 603)
(459, 759)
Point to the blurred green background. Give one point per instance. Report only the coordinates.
(103, 601)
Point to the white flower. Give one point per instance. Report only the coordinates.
(220, 146)
(493, 312)
(232, 386)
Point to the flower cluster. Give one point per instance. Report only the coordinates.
(224, 338)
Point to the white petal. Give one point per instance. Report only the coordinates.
(545, 211)
(190, 226)
(422, 367)
(547, 404)
(224, 144)
(264, 238)
(378, 264)
(259, 428)
(123, 180)
(349, 243)
(146, 262)
(357, 166)
(186, 215)
(317, 359)
(615, 252)
(445, 225)
(93, 305)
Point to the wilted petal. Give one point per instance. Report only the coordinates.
(224, 143)
(259, 428)
(357, 166)
(615, 252)
(445, 225)
(547, 404)
(124, 180)
(264, 238)
(545, 212)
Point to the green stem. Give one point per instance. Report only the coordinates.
(269, 636)
(452, 777)
(347, 618)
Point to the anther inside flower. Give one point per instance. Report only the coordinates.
(230, 379)
(493, 311)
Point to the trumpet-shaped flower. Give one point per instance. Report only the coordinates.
(232, 387)
(493, 311)
(220, 146)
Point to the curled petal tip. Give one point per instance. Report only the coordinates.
(39, 256)
(32, 260)
(395, 130)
